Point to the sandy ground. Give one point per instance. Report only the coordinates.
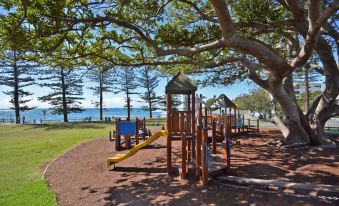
(80, 177)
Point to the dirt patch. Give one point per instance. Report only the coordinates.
(80, 177)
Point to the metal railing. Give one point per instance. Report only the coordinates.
(332, 125)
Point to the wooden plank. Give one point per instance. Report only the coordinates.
(283, 184)
(198, 150)
(183, 156)
(169, 129)
(216, 165)
(214, 138)
(203, 159)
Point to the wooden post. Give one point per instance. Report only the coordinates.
(110, 136)
(206, 121)
(127, 141)
(137, 125)
(235, 120)
(214, 141)
(204, 162)
(228, 153)
(117, 139)
(169, 129)
(243, 123)
(249, 125)
(144, 130)
(258, 125)
(198, 150)
(193, 125)
(183, 156)
(200, 110)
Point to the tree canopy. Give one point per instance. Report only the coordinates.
(221, 41)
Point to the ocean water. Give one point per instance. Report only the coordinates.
(93, 113)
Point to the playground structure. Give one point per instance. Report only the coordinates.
(193, 133)
(125, 129)
(196, 160)
(120, 157)
(229, 114)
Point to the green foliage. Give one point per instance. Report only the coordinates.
(149, 82)
(301, 98)
(16, 73)
(257, 100)
(126, 82)
(264, 11)
(66, 86)
(175, 100)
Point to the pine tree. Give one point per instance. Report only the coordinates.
(150, 82)
(104, 78)
(16, 73)
(126, 83)
(176, 101)
(304, 77)
(66, 86)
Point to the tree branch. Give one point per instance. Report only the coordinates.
(316, 19)
(317, 68)
(24, 16)
(252, 67)
(231, 38)
(197, 9)
(192, 51)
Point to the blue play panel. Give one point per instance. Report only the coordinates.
(126, 128)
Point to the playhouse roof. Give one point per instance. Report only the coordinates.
(180, 84)
(222, 101)
(226, 102)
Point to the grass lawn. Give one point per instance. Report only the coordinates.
(24, 148)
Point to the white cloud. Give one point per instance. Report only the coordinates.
(36, 103)
(4, 102)
(119, 101)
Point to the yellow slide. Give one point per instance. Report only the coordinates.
(120, 157)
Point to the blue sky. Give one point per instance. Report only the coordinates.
(117, 100)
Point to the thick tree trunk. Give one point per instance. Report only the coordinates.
(322, 110)
(307, 92)
(294, 131)
(64, 101)
(326, 105)
(16, 90)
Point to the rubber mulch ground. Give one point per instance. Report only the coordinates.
(80, 177)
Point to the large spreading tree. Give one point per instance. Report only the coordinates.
(224, 40)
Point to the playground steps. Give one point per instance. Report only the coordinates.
(216, 165)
